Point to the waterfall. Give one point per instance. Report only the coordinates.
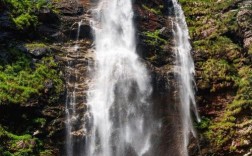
(185, 68)
(120, 113)
(71, 102)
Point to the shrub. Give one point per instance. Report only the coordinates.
(24, 13)
(20, 79)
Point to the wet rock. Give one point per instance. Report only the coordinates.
(36, 133)
(5, 27)
(70, 9)
(5, 22)
(5, 36)
(39, 52)
(22, 144)
(79, 133)
(245, 24)
(56, 126)
(85, 31)
(48, 85)
(52, 112)
(166, 33)
(47, 16)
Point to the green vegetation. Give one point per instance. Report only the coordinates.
(206, 19)
(217, 48)
(22, 80)
(156, 11)
(30, 84)
(220, 71)
(154, 39)
(20, 145)
(46, 153)
(203, 124)
(156, 42)
(236, 117)
(224, 68)
(32, 46)
(40, 121)
(24, 12)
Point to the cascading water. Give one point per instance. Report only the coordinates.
(71, 115)
(185, 68)
(120, 113)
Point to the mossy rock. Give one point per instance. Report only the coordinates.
(21, 79)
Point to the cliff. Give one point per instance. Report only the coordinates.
(221, 35)
(39, 69)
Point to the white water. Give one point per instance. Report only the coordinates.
(186, 72)
(120, 112)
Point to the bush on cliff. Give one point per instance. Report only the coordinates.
(24, 13)
(21, 79)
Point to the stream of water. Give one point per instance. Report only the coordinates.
(185, 68)
(71, 115)
(121, 120)
(120, 111)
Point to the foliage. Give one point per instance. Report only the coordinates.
(14, 143)
(203, 124)
(231, 127)
(214, 48)
(40, 121)
(21, 80)
(24, 13)
(220, 71)
(154, 39)
(157, 42)
(46, 153)
(156, 11)
(224, 68)
(32, 46)
(20, 145)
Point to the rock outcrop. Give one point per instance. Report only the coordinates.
(221, 36)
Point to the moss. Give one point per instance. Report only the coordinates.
(250, 50)
(25, 20)
(40, 121)
(156, 11)
(217, 72)
(17, 145)
(156, 43)
(226, 128)
(203, 124)
(153, 38)
(35, 45)
(21, 145)
(214, 48)
(21, 79)
(46, 153)
(24, 13)
(209, 19)
(223, 67)
(220, 133)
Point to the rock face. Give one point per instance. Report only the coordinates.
(221, 38)
(221, 34)
(155, 46)
(76, 61)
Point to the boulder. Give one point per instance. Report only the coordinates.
(46, 15)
